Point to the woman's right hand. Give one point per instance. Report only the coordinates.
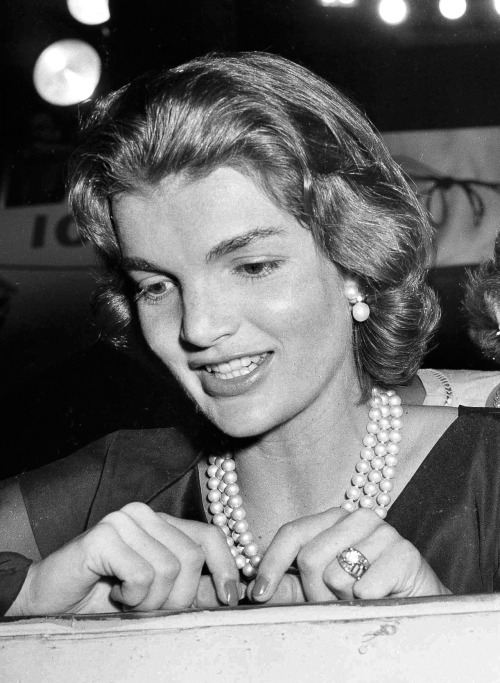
(133, 559)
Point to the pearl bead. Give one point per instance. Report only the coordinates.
(248, 571)
(381, 512)
(228, 465)
(393, 448)
(232, 489)
(385, 423)
(372, 428)
(383, 435)
(255, 560)
(222, 486)
(383, 499)
(363, 466)
(251, 549)
(211, 460)
(226, 530)
(216, 507)
(353, 493)
(358, 480)
(348, 505)
(391, 460)
(238, 513)
(351, 292)
(213, 483)
(386, 485)
(375, 414)
(388, 472)
(245, 538)
(396, 423)
(219, 460)
(214, 495)
(241, 526)
(394, 399)
(370, 440)
(375, 476)
(366, 453)
(240, 561)
(360, 311)
(234, 552)
(395, 437)
(235, 501)
(219, 473)
(380, 450)
(212, 470)
(366, 502)
(370, 489)
(230, 477)
(230, 541)
(378, 463)
(385, 410)
(219, 519)
(397, 411)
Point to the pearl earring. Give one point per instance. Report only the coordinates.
(360, 309)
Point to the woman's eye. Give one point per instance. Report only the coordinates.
(154, 291)
(259, 269)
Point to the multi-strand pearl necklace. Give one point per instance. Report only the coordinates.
(370, 486)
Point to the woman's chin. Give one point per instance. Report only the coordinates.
(240, 426)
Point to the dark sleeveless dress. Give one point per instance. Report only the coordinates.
(449, 510)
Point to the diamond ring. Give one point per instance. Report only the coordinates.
(353, 562)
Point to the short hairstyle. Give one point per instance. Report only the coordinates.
(307, 146)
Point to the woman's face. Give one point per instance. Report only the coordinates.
(236, 299)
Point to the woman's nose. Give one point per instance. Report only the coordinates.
(208, 316)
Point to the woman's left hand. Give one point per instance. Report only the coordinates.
(396, 567)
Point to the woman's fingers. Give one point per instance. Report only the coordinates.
(176, 561)
(220, 562)
(288, 592)
(285, 547)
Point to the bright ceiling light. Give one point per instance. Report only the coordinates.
(393, 11)
(67, 72)
(452, 9)
(496, 5)
(89, 11)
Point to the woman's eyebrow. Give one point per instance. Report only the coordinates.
(135, 263)
(228, 246)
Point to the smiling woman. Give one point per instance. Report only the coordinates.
(260, 239)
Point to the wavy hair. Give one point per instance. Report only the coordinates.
(307, 146)
(482, 305)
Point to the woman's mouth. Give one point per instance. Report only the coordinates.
(236, 367)
(236, 376)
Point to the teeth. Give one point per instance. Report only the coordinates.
(236, 366)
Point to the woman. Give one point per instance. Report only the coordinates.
(257, 232)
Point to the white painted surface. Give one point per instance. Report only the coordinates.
(438, 639)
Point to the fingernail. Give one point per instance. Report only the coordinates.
(231, 590)
(242, 590)
(260, 587)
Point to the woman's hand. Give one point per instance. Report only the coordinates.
(134, 559)
(396, 567)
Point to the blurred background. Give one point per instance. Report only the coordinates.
(426, 72)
